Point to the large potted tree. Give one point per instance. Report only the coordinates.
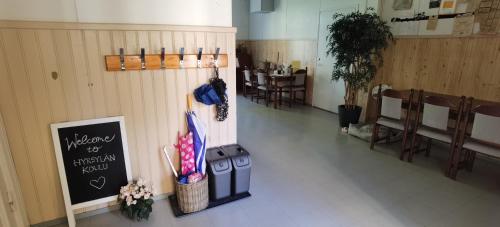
(356, 41)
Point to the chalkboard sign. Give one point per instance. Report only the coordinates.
(93, 161)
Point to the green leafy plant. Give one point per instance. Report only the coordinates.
(356, 41)
(136, 200)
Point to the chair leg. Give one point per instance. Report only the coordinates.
(280, 97)
(403, 144)
(374, 135)
(267, 99)
(453, 151)
(428, 148)
(412, 148)
(470, 161)
(304, 98)
(244, 90)
(388, 138)
(257, 97)
(455, 162)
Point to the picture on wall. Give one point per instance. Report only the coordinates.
(402, 4)
(434, 4)
(447, 7)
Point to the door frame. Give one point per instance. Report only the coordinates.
(332, 10)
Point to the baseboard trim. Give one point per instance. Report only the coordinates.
(63, 220)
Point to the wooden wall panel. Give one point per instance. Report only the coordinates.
(153, 102)
(455, 66)
(289, 50)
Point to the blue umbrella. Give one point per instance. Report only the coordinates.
(199, 138)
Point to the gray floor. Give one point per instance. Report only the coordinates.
(307, 173)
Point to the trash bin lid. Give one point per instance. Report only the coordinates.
(241, 161)
(221, 165)
(214, 154)
(235, 150)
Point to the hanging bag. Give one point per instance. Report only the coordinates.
(220, 88)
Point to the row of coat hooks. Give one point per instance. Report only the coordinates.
(145, 61)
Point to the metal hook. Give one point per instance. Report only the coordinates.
(162, 58)
(143, 58)
(181, 57)
(216, 57)
(198, 58)
(122, 59)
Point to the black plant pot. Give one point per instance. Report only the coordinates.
(347, 116)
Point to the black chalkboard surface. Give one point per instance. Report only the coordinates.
(94, 160)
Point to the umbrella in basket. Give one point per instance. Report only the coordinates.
(199, 137)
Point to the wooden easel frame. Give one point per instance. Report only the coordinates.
(70, 208)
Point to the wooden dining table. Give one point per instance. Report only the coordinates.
(274, 79)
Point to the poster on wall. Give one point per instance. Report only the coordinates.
(447, 7)
(434, 4)
(488, 16)
(463, 25)
(402, 4)
(463, 6)
(432, 23)
(93, 161)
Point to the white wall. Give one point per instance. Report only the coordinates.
(241, 15)
(175, 12)
(296, 19)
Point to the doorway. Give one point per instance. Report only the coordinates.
(327, 94)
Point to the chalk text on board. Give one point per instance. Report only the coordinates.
(95, 163)
(86, 140)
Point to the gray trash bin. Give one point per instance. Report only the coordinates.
(219, 173)
(242, 165)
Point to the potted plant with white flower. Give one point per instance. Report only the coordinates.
(136, 200)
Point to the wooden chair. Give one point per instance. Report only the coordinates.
(264, 85)
(390, 115)
(484, 137)
(250, 84)
(299, 85)
(432, 120)
(284, 86)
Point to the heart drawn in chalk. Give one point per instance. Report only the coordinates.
(98, 183)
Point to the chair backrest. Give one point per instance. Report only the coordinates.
(391, 104)
(436, 112)
(486, 126)
(261, 79)
(300, 77)
(247, 75)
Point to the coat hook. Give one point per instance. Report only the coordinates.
(198, 58)
(181, 57)
(143, 58)
(122, 59)
(162, 57)
(216, 57)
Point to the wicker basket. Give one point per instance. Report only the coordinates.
(192, 197)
